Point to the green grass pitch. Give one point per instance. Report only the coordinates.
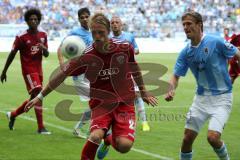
(166, 121)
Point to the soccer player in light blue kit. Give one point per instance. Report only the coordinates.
(117, 33)
(80, 82)
(206, 56)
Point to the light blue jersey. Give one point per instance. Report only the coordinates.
(208, 63)
(126, 36)
(86, 35)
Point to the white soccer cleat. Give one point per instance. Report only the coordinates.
(77, 133)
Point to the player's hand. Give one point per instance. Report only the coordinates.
(136, 52)
(32, 103)
(44, 49)
(3, 77)
(41, 46)
(149, 98)
(170, 94)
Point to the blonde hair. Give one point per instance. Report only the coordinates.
(100, 18)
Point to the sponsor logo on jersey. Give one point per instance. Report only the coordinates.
(120, 59)
(108, 72)
(34, 50)
(206, 50)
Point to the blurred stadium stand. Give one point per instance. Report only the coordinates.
(144, 18)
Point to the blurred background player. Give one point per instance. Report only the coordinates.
(32, 45)
(207, 57)
(234, 70)
(115, 102)
(80, 82)
(118, 33)
(226, 33)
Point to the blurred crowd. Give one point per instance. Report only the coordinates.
(144, 18)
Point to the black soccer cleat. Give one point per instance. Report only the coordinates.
(44, 131)
(11, 120)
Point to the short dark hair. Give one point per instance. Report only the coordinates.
(33, 11)
(226, 28)
(83, 10)
(197, 17)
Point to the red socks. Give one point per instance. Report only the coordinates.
(38, 112)
(39, 116)
(89, 150)
(19, 110)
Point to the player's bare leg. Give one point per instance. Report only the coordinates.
(186, 149)
(214, 139)
(78, 128)
(123, 144)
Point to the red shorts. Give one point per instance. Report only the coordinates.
(33, 81)
(122, 120)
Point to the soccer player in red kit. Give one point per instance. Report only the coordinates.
(108, 64)
(32, 45)
(226, 35)
(234, 70)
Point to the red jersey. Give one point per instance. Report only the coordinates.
(227, 38)
(234, 70)
(109, 74)
(30, 54)
(235, 40)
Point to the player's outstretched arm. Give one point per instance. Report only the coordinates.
(10, 58)
(135, 46)
(60, 57)
(55, 81)
(146, 95)
(32, 103)
(172, 87)
(149, 98)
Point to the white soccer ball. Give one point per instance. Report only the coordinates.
(72, 46)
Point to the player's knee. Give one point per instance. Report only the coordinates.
(35, 92)
(123, 145)
(96, 136)
(213, 138)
